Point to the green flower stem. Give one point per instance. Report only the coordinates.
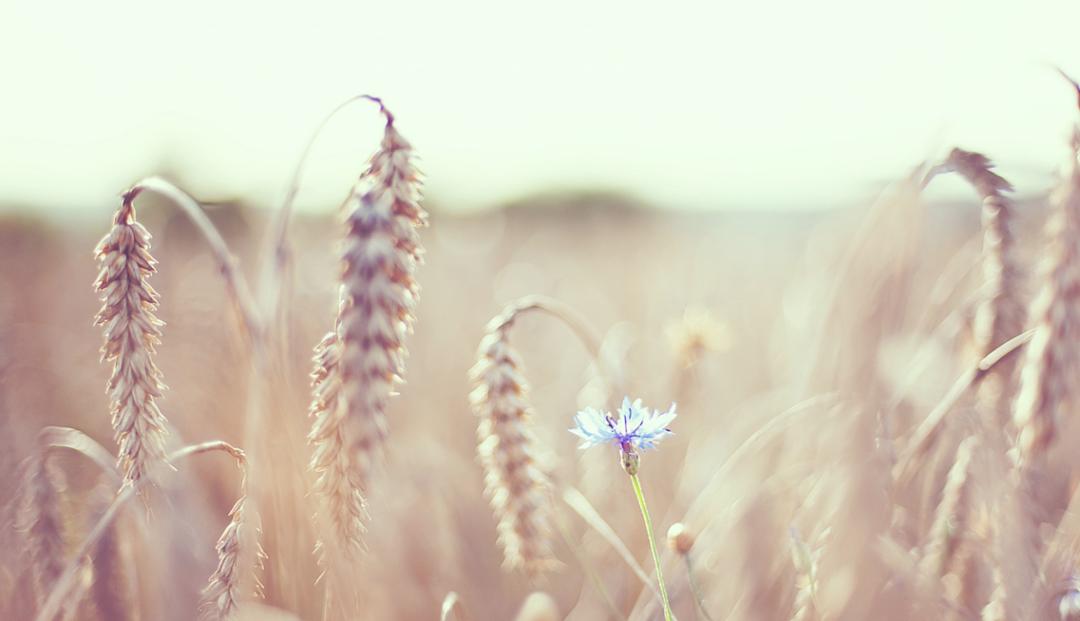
(668, 616)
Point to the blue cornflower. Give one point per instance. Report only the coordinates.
(635, 426)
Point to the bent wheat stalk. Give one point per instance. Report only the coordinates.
(235, 282)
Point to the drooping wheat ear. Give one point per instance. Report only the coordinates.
(380, 254)
(41, 521)
(335, 481)
(1000, 314)
(131, 333)
(950, 526)
(518, 488)
(1047, 380)
(239, 540)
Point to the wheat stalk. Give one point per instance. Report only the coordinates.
(519, 490)
(380, 254)
(131, 333)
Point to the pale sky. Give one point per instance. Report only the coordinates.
(685, 104)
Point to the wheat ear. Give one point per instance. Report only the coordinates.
(222, 593)
(335, 481)
(1046, 387)
(41, 520)
(950, 525)
(131, 333)
(1046, 381)
(1000, 314)
(380, 254)
(519, 490)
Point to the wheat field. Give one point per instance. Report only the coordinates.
(216, 410)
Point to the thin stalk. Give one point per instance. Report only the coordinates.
(652, 546)
(930, 428)
(581, 505)
(278, 248)
(590, 571)
(698, 599)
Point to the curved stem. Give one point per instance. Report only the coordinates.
(235, 282)
(668, 616)
(279, 242)
(66, 581)
(571, 319)
(75, 440)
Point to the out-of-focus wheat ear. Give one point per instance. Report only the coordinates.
(1001, 313)
(42, 524)
(113, 587)
(132, 332)
(1047, 381)
(337, 483)
(950, 525)
(380, 254)
(518, 488)
(238, 542)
